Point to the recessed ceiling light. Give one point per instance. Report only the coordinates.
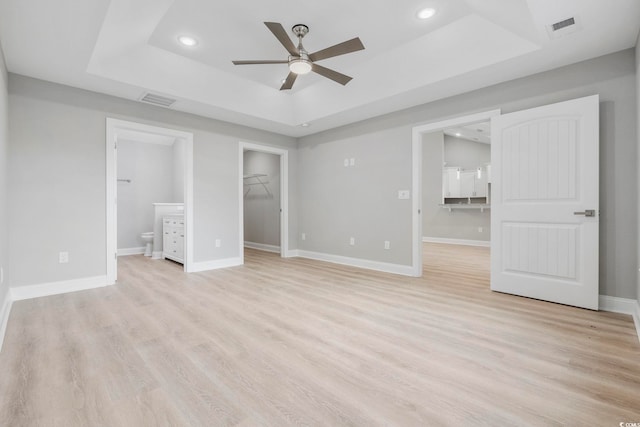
(305, 125)
(426, 13)
(187, 41)
(458, 134)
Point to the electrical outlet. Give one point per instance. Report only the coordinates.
(346, 163)
(404, 194)
(218, 243)
(352, 241)
(352, 162)
(387, 244)
(304, 236)
(63, 257)
(479, 229)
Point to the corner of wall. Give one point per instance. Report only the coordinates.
(5, 297)
(637, 60)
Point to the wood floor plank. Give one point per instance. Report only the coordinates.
(300, 342)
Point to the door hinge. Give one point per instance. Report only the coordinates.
(115, 255)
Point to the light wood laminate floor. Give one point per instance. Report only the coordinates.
(299, 342)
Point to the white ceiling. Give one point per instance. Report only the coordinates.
(128, 47)
(477, 132)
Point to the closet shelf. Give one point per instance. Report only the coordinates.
(256, 179)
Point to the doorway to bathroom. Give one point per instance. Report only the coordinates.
(149, 192)
(264, 207)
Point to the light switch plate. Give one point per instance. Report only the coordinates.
(218, 243)
(63, 257)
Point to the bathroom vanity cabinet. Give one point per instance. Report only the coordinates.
(173, 238)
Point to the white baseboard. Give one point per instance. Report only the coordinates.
(45, 289)
(4, 316)
(484, 243)
(156, 255)
(292, 253)
(405, 270)
(131, 251)
(215, 264)
(262, 247)
(622, 305)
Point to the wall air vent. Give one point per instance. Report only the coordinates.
(152, 98)
(563, 27)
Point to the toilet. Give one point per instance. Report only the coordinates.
(148, 239)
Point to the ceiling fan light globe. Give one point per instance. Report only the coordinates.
(300, 66)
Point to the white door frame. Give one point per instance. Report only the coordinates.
(416, 215)
(284, 194)
(112, 128)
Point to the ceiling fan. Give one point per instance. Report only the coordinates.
(302, 62)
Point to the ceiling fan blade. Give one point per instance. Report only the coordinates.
(275, 61)
(288, 83)
(349, 46)
(278, 31)
(331, 74)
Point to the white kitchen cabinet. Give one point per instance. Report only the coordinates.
(173, 238)
(450, 183)
(470, 184)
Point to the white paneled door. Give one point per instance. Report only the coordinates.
(544, 210)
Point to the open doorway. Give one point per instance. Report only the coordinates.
(451, 176)
(456, 192)
(264, 207)
(149, 180)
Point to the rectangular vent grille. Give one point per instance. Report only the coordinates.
(154, 99)
(563, 24)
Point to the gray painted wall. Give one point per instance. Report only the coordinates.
(360, 201)
(437, 222)
(637, 57)
(352, 198)
(261, 209)
(4, 199)
(57, 178)
(179, 152)
(464, 153)
(150, 169)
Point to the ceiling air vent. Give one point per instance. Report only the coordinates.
(562, 24)
(152, 98)
(564, 27)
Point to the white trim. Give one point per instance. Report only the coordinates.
(214, 264)
(617, 305)
(405, 270)
(293, 253)
(284, 194)
(156, 255)
(636, 317)
(54, 288)
(4, 316)
(262, 247)
(466, 242)
(131, 251)
(416, 175)
(624, 306)
(112, 128)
